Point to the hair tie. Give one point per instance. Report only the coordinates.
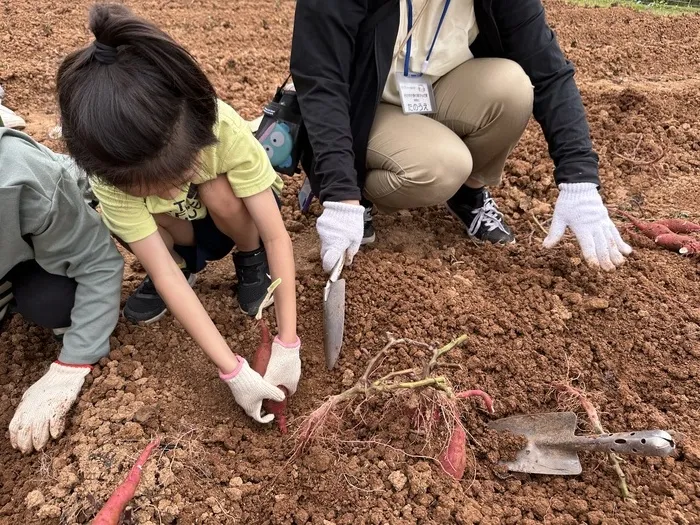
(104, 53)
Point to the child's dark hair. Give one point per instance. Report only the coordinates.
(135, 106)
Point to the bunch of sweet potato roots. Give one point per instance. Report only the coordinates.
(671, 234)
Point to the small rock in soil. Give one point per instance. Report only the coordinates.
(34, 499)
(596, 303)
(398, 480)
(348, 378)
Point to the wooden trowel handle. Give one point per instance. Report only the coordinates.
(642, 442)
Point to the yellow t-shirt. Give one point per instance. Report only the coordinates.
(238, 155)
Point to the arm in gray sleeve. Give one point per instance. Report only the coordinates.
(73, 241)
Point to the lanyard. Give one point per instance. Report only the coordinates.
(406, 70)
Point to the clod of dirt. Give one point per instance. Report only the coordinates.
(34, 499)
(596, 303)
(398, 480)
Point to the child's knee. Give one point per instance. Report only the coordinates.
(223, 204)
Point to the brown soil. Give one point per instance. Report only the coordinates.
(630, 338)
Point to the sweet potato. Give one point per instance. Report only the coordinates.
(650, 229)
(260, 360)
(679, 243)
(680, 225)
(115, 505)
(453, 459)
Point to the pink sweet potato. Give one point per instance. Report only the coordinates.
(453, 459)
(680, 225)
(260, 360)
(112, 510)
(679, 243)
(650, 229)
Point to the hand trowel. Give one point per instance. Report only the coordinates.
(334, 314)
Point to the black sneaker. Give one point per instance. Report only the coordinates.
(253, 275)
(145, 305)
(368, 237)
(481, 217)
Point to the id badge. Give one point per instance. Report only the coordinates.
(417, 96)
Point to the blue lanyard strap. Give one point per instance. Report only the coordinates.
(409, 4)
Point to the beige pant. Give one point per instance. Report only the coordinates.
(483, 107)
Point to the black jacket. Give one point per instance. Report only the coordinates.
(340, 66)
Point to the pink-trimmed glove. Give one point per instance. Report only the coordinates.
(284, 367)
(249, 390)
(42, 411)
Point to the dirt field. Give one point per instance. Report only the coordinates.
(630, 338)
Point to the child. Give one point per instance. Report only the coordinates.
(180, 179)
(59, 269)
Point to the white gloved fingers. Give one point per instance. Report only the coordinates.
(556, 231)
(41, 413)
(587, 244)
(255, 411)
(615, 255)
(602, 249)
(622, 246)
(284, 367)
(16, 426)
(24, 438)
(330, 258)
(57, 421)
(249, 389)
(340, 228)
(40, 432)
(352, 251)
(272, 392)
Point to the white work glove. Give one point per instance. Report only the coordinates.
(340, 228)
(580, 207)
(284, 367)
(249, 390)
(44, 406)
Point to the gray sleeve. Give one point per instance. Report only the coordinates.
(73, 241)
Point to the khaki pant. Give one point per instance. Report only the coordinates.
(483, 107)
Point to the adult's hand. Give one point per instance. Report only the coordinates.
(580, 207)
(42, 411)
(340, 228)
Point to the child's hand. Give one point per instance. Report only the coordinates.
(42, 411)
(284, 367)
(250, 389)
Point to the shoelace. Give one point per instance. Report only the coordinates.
(489, 216)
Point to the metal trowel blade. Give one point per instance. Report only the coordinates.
(333, 321)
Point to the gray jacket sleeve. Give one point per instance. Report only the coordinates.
(73, 241)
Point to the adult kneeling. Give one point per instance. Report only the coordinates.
(412, 103)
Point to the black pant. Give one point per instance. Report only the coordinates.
(41, 297)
